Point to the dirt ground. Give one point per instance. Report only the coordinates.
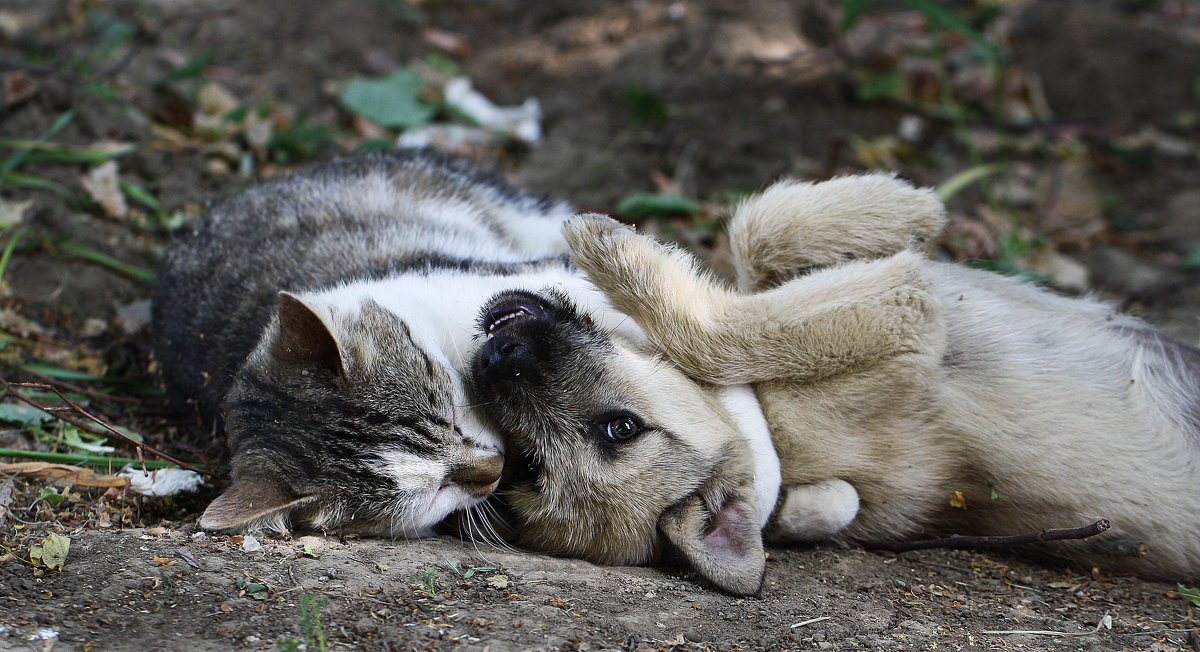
(1100, 142)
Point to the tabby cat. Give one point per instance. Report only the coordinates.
(323, 321)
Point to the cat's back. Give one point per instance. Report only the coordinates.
(355, 218)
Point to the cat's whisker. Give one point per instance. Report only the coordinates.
(487, 531)
(489, 520)
(473, 405)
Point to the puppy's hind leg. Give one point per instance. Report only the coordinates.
(794, 226)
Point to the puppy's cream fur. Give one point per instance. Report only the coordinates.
(889, 386)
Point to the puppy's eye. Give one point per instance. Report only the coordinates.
(622, 428)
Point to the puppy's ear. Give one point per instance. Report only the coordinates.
(256, 498)
(724, 546)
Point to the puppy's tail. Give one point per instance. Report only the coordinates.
(795, 225)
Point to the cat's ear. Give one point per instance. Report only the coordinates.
(304, 335)
(258, 498)
(725, 547)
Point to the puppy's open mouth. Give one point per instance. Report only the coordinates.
(499, 318)
(513, 311)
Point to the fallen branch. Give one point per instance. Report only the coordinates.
(58, 413)
(1105, 623)
(960, 541)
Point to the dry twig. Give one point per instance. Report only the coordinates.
(960, 541)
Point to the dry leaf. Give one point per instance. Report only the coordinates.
(453, 44)
(157, 531)
(215, 100)
(164, 561)
(957, 500)
(65, 472)
(17, 87)
(103, 184)
(12, 212)
(498, 581)
(187, 556)
(50, 552)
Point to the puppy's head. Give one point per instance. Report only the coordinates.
(614, 456)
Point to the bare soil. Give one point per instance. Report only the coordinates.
(1105, 181)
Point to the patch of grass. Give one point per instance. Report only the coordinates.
(1191, 595)
(112, 34)
(478, 569)
(936, 13)
(645, 105)
(428, 581)
(300, 140)
(311, 630)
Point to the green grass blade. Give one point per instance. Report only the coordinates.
(9, 248)
(86, 156)
(93, 256)
(952, 186)
(192, 69)
(141, 196)
(12, 162)
(30, 181)
(70, 375)
(94, 461)
(936, 13)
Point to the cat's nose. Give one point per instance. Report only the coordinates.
(479, 475)
(505, 358)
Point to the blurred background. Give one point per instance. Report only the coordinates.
(1063, 134)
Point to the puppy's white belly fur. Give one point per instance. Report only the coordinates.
(810, 512)
(742, 404)
(817, 511)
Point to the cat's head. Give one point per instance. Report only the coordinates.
(341, 420)
(614, 455)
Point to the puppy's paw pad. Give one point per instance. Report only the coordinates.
(590, 226)
(597, 241)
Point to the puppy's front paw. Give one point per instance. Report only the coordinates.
(595, 240)
(586, 225)
(817, 511)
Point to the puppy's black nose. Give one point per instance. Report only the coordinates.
(504, 358)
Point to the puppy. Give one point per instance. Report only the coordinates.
(902, 397)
